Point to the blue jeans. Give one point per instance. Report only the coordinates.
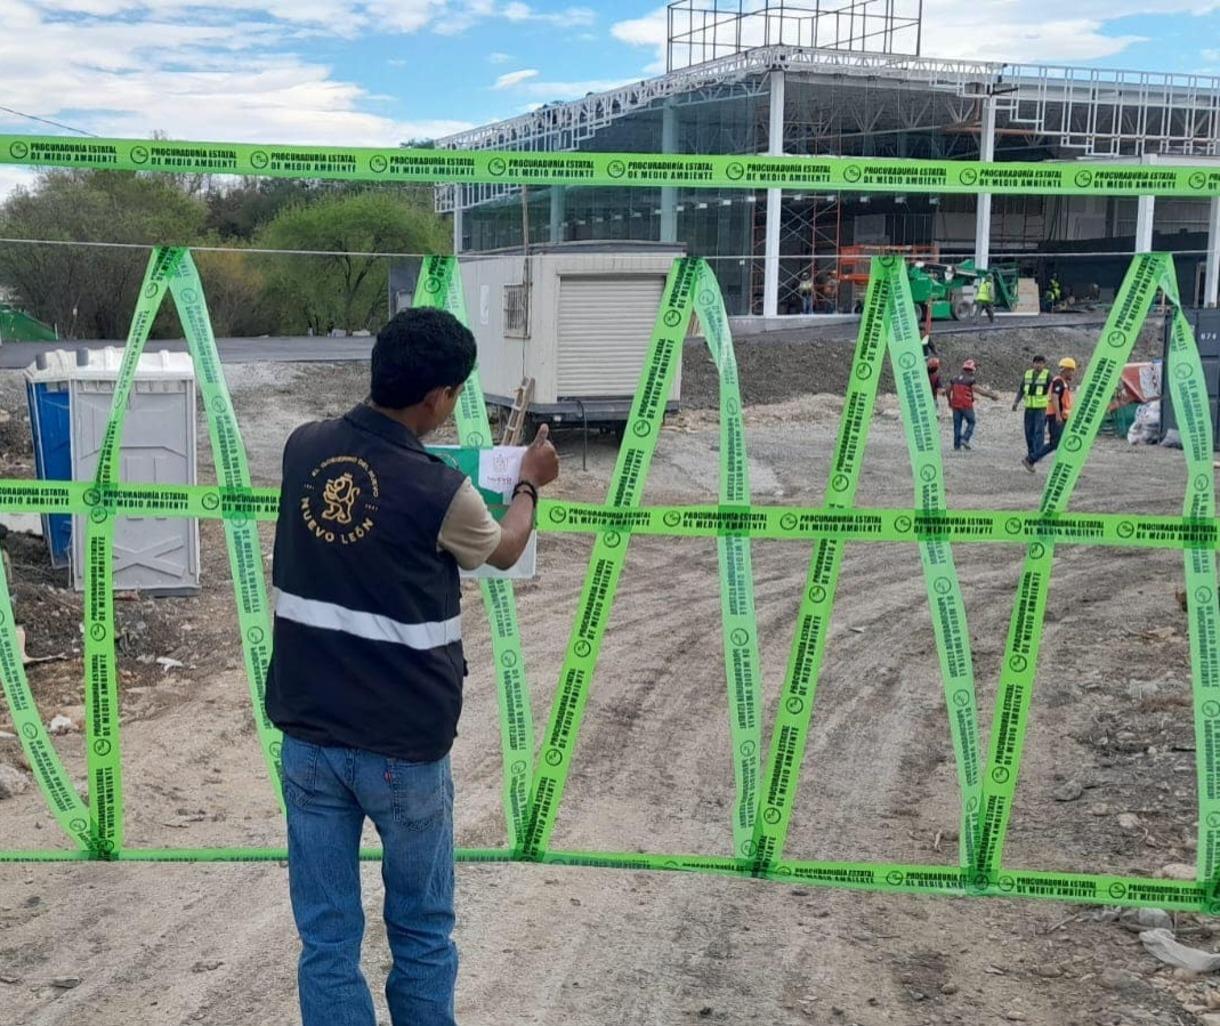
(962, 437)
(1055, 427)
(1035, 431)
(328, 792)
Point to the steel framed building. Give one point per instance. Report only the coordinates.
(845, 77)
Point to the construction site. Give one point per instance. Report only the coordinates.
(861, 79)
(565, 289)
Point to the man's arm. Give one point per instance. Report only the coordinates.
(1020, 394)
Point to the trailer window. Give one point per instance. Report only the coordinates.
(516, 311)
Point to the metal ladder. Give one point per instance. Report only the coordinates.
(514, 426)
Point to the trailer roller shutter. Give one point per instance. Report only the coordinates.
(605, 323)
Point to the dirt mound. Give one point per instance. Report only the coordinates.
(780, 365)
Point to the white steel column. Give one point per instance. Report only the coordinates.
(457, 218)
(1211, 278)
(558, 195)
(982, 211)
(775, 147)
(1145, 212)
(669, 193)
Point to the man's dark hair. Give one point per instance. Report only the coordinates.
(1039, 358)
(419, 350)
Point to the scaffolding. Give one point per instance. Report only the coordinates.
(851, 94)
(704, 30)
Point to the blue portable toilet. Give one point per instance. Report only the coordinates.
(49, 395)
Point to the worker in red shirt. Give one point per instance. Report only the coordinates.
(961, 401)
(1058, 407)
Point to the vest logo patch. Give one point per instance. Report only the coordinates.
(340, 496)
(339, 504)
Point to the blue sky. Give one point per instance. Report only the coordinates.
(378, 71)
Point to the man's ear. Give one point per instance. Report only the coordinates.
(435, 398)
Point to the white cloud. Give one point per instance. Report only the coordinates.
(499, 58)
(1210, 55)
(1041, 31)
(515, 78)
(219, 71)
(548, 91)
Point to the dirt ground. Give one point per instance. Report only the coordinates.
(1111, 736)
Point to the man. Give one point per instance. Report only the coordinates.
(805, 288)
(1035, 391)
(933, 364)
(961, 401)
(984, 299)
(1058, 407)
(366, 677)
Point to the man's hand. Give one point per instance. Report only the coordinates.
(540, 464)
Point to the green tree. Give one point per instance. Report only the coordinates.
(344, 290)
(234, 288)
(90, 292)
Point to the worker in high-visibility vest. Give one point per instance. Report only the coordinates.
(984, 299)
(1058, 408)
(1034, 391)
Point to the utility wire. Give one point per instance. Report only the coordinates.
(47, 121)
(846, 256)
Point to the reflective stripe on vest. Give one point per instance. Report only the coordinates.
(1037, 389)
(372, 626)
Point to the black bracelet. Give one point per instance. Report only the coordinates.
(529, 489)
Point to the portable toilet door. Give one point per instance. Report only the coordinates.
(157, 554)
(48, 396)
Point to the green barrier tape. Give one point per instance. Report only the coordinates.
(1018, 667)
(791, 731)
(102, 752)
(609, 554)
(945, 603)
(739, 625)
(886, 323)
(1192, 407)
(53, 779)
(886, 877)
(241, 532)
(398, 164)
(780, 523)
(440, 285)
(199, 502)
(865, 524)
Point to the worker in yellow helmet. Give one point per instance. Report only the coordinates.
(1058, 408)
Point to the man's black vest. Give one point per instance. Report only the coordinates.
(368, 650)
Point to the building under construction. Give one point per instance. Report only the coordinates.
(848, 79)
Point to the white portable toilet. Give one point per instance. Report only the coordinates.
(151, 554)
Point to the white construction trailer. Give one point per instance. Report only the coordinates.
(575, 317)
